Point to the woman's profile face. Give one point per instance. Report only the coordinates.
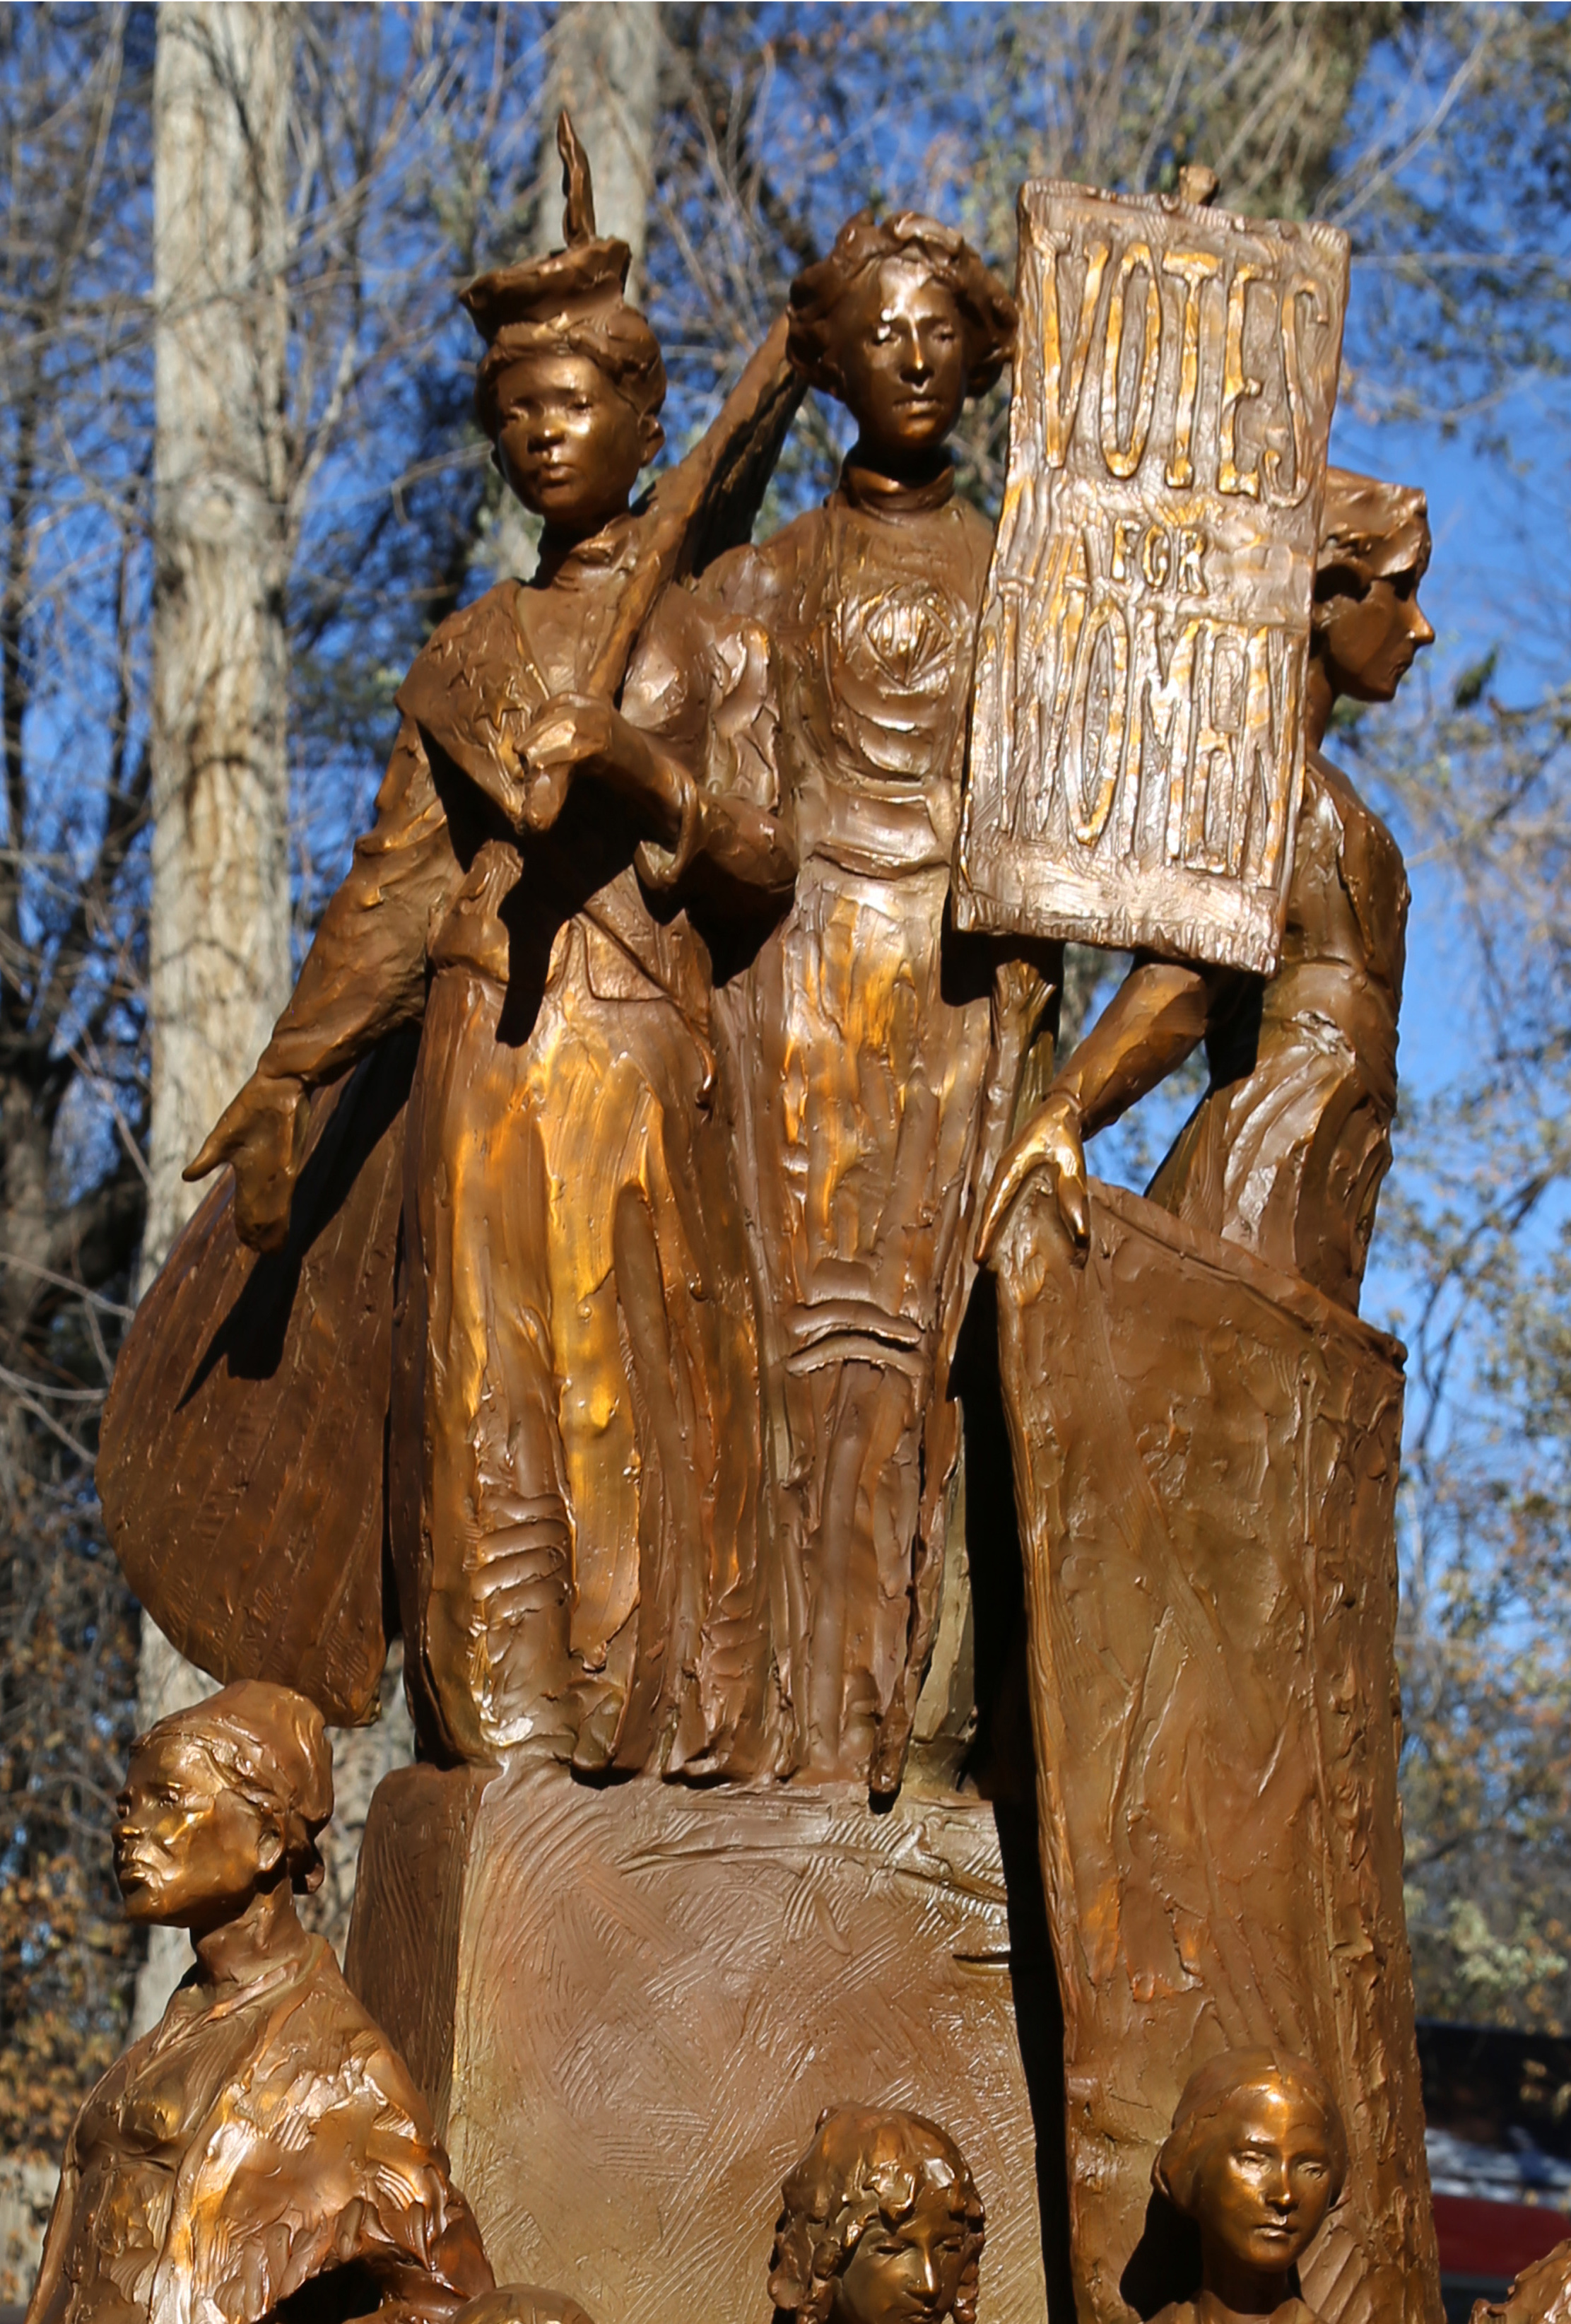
(1266, 2184)
(903, 2274)
(900, 350)
(1370, 642)
(191, 1851)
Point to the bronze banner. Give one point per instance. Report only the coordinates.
(1137, 740)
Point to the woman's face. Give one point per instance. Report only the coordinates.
(900, 350)
(570, 443)
(905, 2274)
(189, 1850)
(1266, 2184)
(1370, 642)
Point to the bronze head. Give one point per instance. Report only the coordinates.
(221, 1800)
(902, 321)
(570, 387)
(882, 2224)
(1374, 552)
(1256, 2157)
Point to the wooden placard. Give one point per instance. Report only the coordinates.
(1138, 735)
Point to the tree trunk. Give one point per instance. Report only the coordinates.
(219, 949)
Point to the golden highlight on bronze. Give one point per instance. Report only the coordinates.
(264, 2139)
(881, 2224)
(1256, 2157)
(590, 1290)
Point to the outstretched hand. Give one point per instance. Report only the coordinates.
(1051, 1142)
(263, 1135)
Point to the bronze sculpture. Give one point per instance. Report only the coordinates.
(874, 1057)
(574, 1477)
(881, 2224)
(1286, 1153)
(1256, 2157)
(265, 2137)
(642, 1047)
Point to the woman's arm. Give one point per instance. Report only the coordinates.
(363, 976)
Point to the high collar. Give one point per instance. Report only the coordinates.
(570, 565)
(870, 490)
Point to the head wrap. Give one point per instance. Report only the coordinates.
(1211, 2092)
(272, 1746)
(570, 303)
(1372, 529)
(986, 309)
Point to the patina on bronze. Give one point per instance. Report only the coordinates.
(612, 1183)
(881, 2224)
(1256, 2157)
(873, 1061)
(265, 2137)
(569, 1391)
(1286, 1153)
(1136, 749)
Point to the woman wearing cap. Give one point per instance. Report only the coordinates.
(1286, 1151)
(264, 2136)
(574, 1440)
(874, 1057)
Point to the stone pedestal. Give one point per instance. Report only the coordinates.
(628, 2005)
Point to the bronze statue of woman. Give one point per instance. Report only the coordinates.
(1286, 1151)
(265, 2137)
(871, 1061)
(574, 1445)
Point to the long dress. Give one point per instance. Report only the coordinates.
(260, 2136)
(574, 1445)
(874, 1060)
(1286, 1151)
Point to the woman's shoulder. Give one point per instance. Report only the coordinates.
(762, 574)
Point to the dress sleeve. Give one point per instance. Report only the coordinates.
(365, 972)
(701, 685)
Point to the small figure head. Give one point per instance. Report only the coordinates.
(902, 321)
(882, 2224)
(220, 1802)
(570, 387)
(1374, 550)
(1256, 2157)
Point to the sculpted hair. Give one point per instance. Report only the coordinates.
(986, 310)
(619, 343)
(271, 1745)
(867, 2163)
(1370, 530)
(1199, 2123)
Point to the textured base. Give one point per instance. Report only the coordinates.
(1211, 1586)
(630, 2004)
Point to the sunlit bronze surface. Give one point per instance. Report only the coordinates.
(874, 1060)
(880, 2223)
(627, 2004)
(1256, 2157)
(619, 1164)
(265, 2137)
(1207, 1499)
(574, 1441)
(1287, 1152)
(1137, 744)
